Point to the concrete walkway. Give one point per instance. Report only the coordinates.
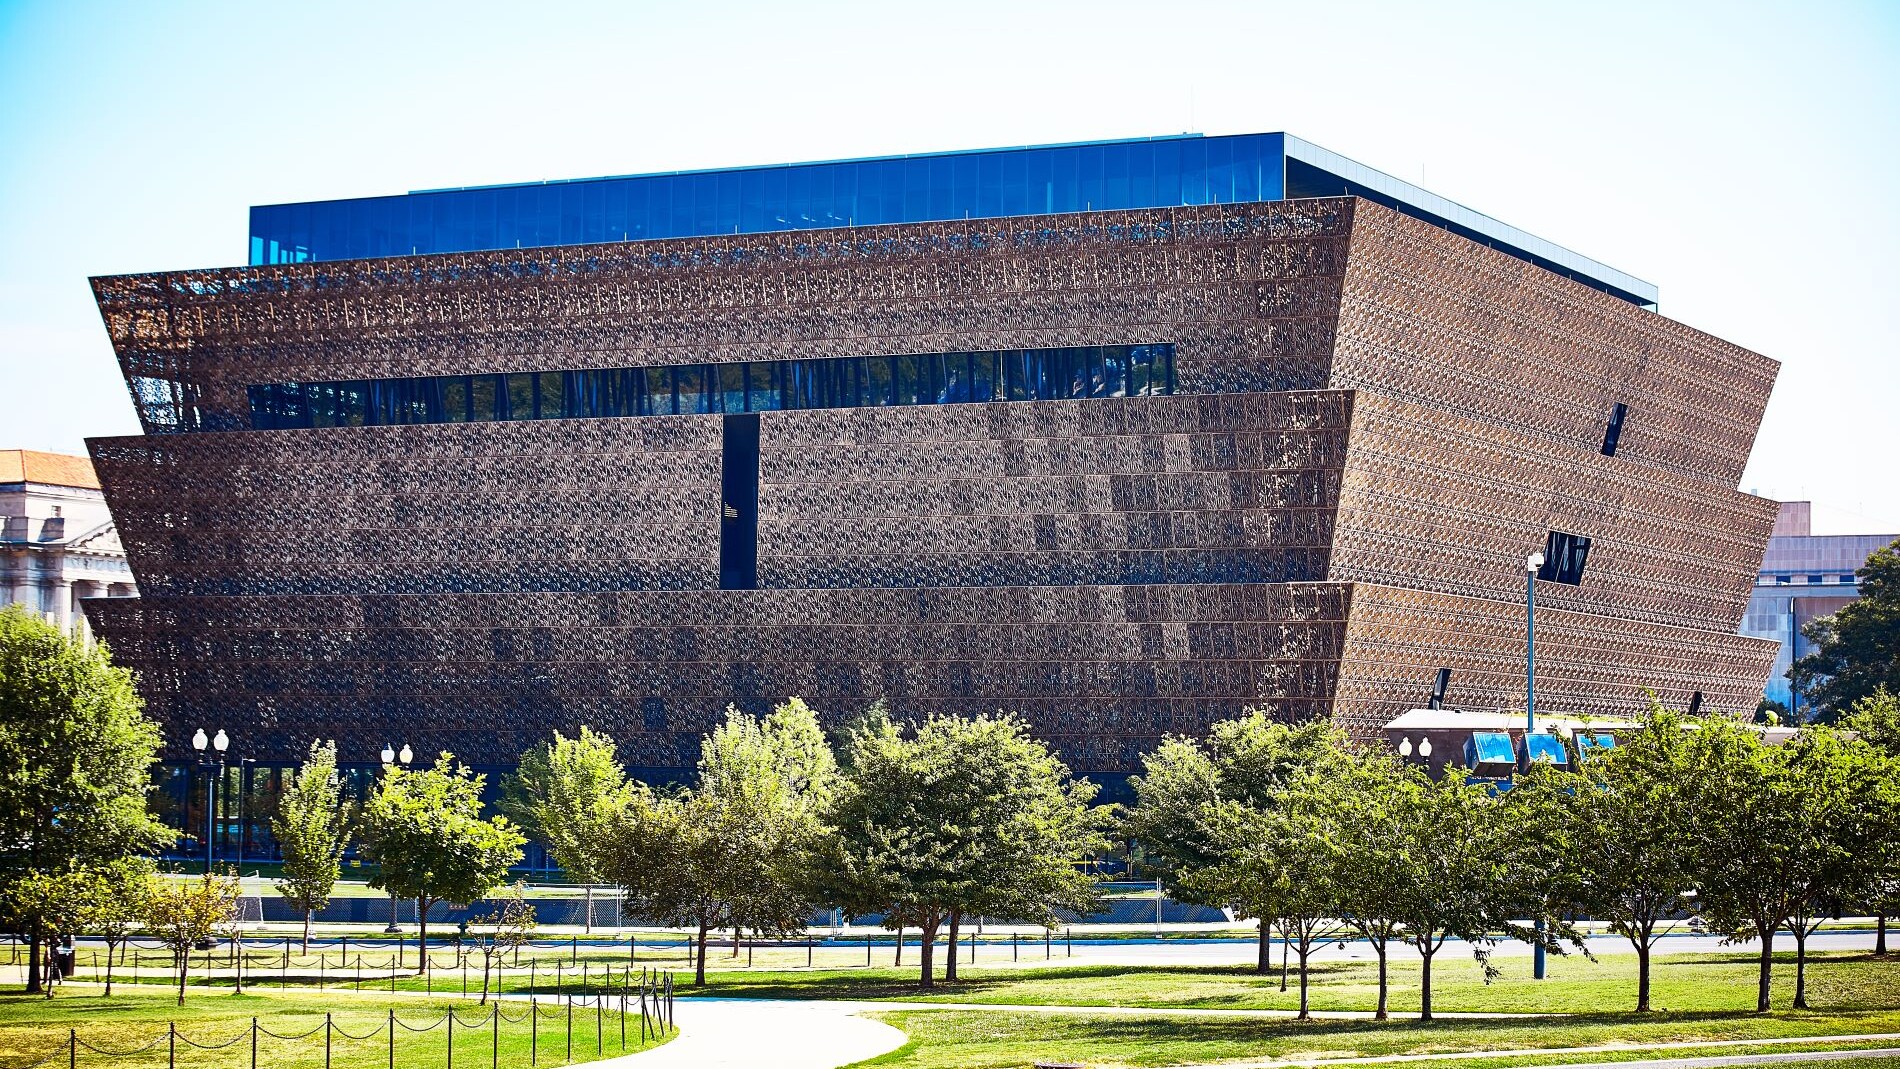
(735, 1033)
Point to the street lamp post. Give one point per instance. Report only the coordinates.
(390, 756)
(244, 829)
(1531, 565)
(219, 743)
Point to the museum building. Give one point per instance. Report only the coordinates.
(1124, 437)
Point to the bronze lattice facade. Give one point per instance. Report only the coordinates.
(1370, 421)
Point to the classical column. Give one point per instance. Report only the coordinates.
(63, 603)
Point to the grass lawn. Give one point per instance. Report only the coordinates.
(33, 1028)
(973, 1039)
(1711, 982)
(1687, 982)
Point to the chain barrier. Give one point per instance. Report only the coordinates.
(650, 996)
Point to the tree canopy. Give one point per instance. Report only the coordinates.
(312, 829)
(1202, 808)
(425, 830)
(956, 815)
(564, 794)
(75, 758)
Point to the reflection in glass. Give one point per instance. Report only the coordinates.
(758, 386)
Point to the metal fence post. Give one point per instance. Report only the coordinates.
(72, 1048)
(570, 1028)
(599, 1046)
(451, 1061)
(253, 1043)
(326, 1041)
(534, 1030)
(392, 1039)
(171, 1044)
(494, 1035)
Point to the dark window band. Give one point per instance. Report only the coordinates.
(693, 389)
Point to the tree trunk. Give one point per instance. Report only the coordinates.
(587, 923)
(1880, 935)
(897, 960)
(1642, 977)
(699, 960)
(110, 947)
(487, 960)
(1800, 966)
(1380, 1013)
(1425, 986)
(1767, 964)
(926, 947)
(306, 929)
(1264, 966)
(184, 968)
(1306, 947)
(1286, 944)
(950, 958)
(422, 934)
(33, 960)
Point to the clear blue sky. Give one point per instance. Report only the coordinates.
(1742, 157)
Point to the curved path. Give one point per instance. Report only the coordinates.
(751, 1033)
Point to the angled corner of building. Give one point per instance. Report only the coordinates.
(1125, 437)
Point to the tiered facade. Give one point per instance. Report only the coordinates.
(1371, 422)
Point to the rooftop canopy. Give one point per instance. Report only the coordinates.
(1159, 172)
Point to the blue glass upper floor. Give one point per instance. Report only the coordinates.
(1160, 172)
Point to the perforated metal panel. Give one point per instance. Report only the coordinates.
(1375, 421)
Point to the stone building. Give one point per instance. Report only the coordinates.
(58, 543)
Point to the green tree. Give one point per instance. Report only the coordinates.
(1243, 765)
(114, 905)
(736, 850)
(312, 828)
(667, 851)
(425, 830)
(1856, 650)
(564, 794)
(502, 930)
(185, 913)
(1629, 850)
(1280, 859)
(1455, 871)
(77, 751)
(1876, 719)
(1363, 817)
(1848, 805)
(769, 781)
(957, 815)
(1783, 833)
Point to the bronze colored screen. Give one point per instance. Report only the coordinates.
(1374, 422)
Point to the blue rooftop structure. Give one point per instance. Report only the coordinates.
(1158, 172)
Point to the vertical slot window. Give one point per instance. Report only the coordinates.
(739, 502)
(1613, 433)
(1564, 557)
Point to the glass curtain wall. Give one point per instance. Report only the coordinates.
(1157, 173)
(696, 389)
